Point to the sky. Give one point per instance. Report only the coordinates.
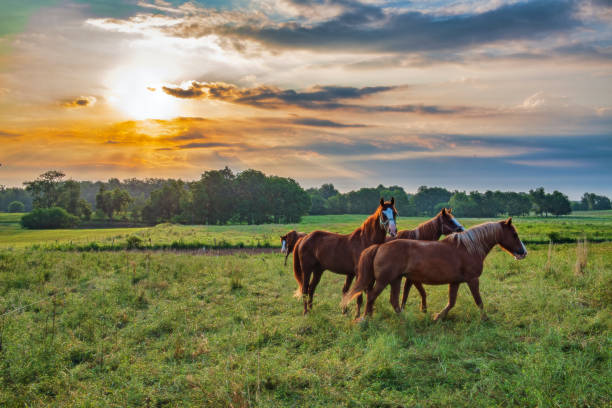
(468, 95)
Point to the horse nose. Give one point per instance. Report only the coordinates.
(460, 229)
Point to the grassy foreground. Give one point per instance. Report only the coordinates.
(171, 329)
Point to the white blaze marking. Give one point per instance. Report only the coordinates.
(284, 248)
(389, 213)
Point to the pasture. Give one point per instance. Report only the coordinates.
(172, 328)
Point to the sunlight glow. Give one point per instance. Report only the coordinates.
(136, 91)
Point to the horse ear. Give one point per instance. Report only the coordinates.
(392, 200)
(382, 201)
(443, 211)
(509, 221)
(450, 210)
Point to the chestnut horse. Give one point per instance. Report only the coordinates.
(442, 224)
(288, 242)
(321, 250)
(456, 259)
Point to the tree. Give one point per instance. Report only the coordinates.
(45, 189)
(68, 194)
(219, 200)
(591, 201)
(558, 203)
(110, 202)
(167, 203)
(426, 199)
(327, 191)
(538, 198)
(16, 207)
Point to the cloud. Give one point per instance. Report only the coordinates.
(363, 27)
(204, 145)
(323, 123)
(7, 134)
(316, 98)
(80, 102)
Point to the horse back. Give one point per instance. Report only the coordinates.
(429, 262)
(329, 250)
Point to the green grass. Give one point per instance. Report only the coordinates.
(595, 226)
(172, 329)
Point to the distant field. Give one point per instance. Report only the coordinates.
(595, 226)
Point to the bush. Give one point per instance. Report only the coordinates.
(47, 218)
(16, 207)
(134, 242)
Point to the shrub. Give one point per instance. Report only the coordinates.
(48, 218)
(16, 207)
(134, 242)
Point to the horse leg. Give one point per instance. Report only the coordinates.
(360, 301)
(345, 288)
(452, 298)
(396, 285)
(316, 277)
(305, 286)
(421, 290)
(372, 295)
(286, 258)
(475, 289)
(407, 286)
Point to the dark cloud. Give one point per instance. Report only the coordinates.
(323, 123)
(368, 27)
(4, 133)
(80, 102)
(316, 98)
(189, 135)
(204, 145)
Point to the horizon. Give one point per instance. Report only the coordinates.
(496, 95)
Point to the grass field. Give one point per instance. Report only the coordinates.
(595, 226)
(164, 328)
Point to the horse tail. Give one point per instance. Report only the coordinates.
(365, 274)
(297, 270)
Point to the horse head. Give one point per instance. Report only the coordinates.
(449, 223)
(388, 216)
(510, 241)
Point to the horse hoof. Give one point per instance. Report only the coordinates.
(424, 310)
(437, 317)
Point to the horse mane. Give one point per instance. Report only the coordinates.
(426, 229)
(479, 239)
(370, 224)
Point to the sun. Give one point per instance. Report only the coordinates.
(136, 92)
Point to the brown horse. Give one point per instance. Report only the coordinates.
(321, 250)
(457, 258)
(288, 242)
(442, 224)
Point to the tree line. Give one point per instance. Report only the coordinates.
(251, 197)
(219, 197)
(427, 201)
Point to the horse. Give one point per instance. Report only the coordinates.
(288, 242)
(339, 253)
(442, 224)
(456, 259)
